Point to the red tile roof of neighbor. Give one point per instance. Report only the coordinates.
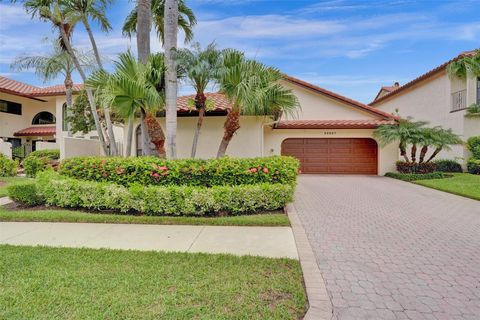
(423, 77)
(19, 88)
(220, 102)
(36, 131)
(332, 124)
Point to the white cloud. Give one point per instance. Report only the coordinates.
(11, 16)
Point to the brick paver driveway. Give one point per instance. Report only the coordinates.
(388, 249)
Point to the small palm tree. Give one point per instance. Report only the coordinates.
(201, 68)
(427, 139)
(443, 139)
(50, 67)
(253, 90)
(186, 20)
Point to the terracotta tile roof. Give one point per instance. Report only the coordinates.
(22, 89)
(423, 77)
(340, 98)
(332, 124)
(220, 102)
(36, 131)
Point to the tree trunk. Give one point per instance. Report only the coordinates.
(434, 154)
(91, 99)
(414, 152)
(232, 124)
(69, 101)
(144, 17)
(128, 147)
(106, 111)
(403, 151)
(170, 46)
(145, 136)
(201, 115)
(423, 153)
(156, 134)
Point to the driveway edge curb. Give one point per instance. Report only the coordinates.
(320, 306)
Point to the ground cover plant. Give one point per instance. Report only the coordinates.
(447, 165)
(416, 176)
(65, 283)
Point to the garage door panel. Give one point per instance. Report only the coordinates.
(333, 155)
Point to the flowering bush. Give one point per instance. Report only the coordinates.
(40, 160)
(162, 200)
(8, 167)
(188, 172)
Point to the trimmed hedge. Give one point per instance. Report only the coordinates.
(473, 166)
(189, 172)
(158, 200)
(414, 167)
(416, 176)
(8, 167)
(25, 193)
(445, 165)
(473, 144)
(40, 160)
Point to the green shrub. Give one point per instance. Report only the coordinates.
(25, 193)
(414, 167)
(8, 167)
(446, 165)
(416, 176)
(40, 160)
(188, 172)
(473, 144)
(473, 166)
(162, 200)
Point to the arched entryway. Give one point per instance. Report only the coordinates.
(334, 155)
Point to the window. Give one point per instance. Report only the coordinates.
(44, 117)
(10, 107)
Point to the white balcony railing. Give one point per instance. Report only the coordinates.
(459, 100)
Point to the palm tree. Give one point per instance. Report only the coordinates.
(253, 90)
(86, 10)
(170, 45)
(132, 89)
(52, 11)
(201, 68)
(442, 140)
(404, 131)
(427, 139)
(186, 20)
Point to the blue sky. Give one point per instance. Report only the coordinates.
(350, 47)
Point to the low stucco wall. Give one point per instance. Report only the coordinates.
(6, 148)
(41, 145)
(75, 147)
(387, 156)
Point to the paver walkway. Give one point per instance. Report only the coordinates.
(262, 241)
(388, 249)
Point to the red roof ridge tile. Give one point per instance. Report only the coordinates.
(333, 124)
(36, 131)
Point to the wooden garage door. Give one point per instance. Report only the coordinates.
(319, 155)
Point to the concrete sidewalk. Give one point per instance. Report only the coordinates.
(273, 242)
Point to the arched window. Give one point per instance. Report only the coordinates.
(44, 117)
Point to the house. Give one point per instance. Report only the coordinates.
(439, 99)
(331, 134)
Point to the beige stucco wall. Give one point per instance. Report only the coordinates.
(431, 101)
(6, 149)
(74, 147)
(46, 145)
(387, 156)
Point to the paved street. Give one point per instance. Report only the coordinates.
(388, 249)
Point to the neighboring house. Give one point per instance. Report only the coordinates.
(331, 134)
(439, 99)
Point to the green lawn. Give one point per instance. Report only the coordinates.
(462, 184)
(9, 181)
(266, 219)
(64, 283)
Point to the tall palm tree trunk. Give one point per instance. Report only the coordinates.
(106, 110)
(91, 99)
(156, 134)
(146, 151)
(232, 124)
(201, 116)
(423, 153)
(144, 16)
(170, 44)
(69, 99)
(128, 147)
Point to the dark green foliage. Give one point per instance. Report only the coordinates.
(446, 165)
(473, 144)
(416, 176)
(8, 167)
(414, 167)
(40, 160)
(25, 193)
(189, 172)
(473, 166)
(163, 200)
